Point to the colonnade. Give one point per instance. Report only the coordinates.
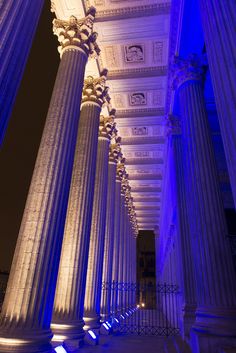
(78, 229)
(67, 240)
(193, 238)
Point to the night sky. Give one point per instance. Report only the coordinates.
(19, 150)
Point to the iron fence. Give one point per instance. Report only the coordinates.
(156, 308)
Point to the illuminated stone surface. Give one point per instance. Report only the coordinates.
(116, 254)
(67, 323)
(114, 155)
(120, 267)
(215, 280)
(184, 258)
(218, 22)
(97, 235)
(27, 310)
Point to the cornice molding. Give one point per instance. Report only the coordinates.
(141, 72)
(145, 177)
(128, 113)
(146, 189)
(143, 140)
(147, 199)
(138, 161)
(148, 208)
(131, 12)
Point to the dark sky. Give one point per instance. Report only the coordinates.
(19, 150)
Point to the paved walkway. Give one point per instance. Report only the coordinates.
(126, 344)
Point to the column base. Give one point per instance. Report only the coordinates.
(70, 334)
(214, 331)
(203, 343)
(187, 320)
(105, 317)
(92, 322)
(25, 341)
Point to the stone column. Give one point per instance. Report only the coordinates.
(215, 276)
(27, 309)
(121, 243)
(124, 258)
(129, 251)
(114, 154)
(218, 21)
(185, 257)
(97, 234)
(116, 253)
(67, 323)
(157, 253)
(18, 23)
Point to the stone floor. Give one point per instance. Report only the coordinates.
(122, 343)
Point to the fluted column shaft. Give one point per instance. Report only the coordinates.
(97, 238)
(116, 253)
(121, 251)
(218, 21)
(109, 241)
(18, 23)
(215, 280)
(28, 304)
(69, 298)
(185, 257)
(124, 259)
(134, 271)
(129, 265)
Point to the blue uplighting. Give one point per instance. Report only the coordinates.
(60, 349)
(92, 334)
(105, 325)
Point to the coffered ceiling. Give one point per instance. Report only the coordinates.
(133, 36)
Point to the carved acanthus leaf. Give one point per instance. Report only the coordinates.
(95, 89)
(183, 70)
(106, 126)
(77, 33)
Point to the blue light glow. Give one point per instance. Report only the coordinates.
(116, 320)
(92, 334)
(60, 349)
(108, 324)
(122, 317)
(105, 325)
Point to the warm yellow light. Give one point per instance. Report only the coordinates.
(143, 305)
(59, 338)
(13, 341)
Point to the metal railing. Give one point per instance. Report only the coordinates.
(157, 308)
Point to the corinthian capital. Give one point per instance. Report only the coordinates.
(125, 184)
(95, 89)
(115, 151)
(106, 127)
(77, 34)
(120, 169)
(183, 70)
